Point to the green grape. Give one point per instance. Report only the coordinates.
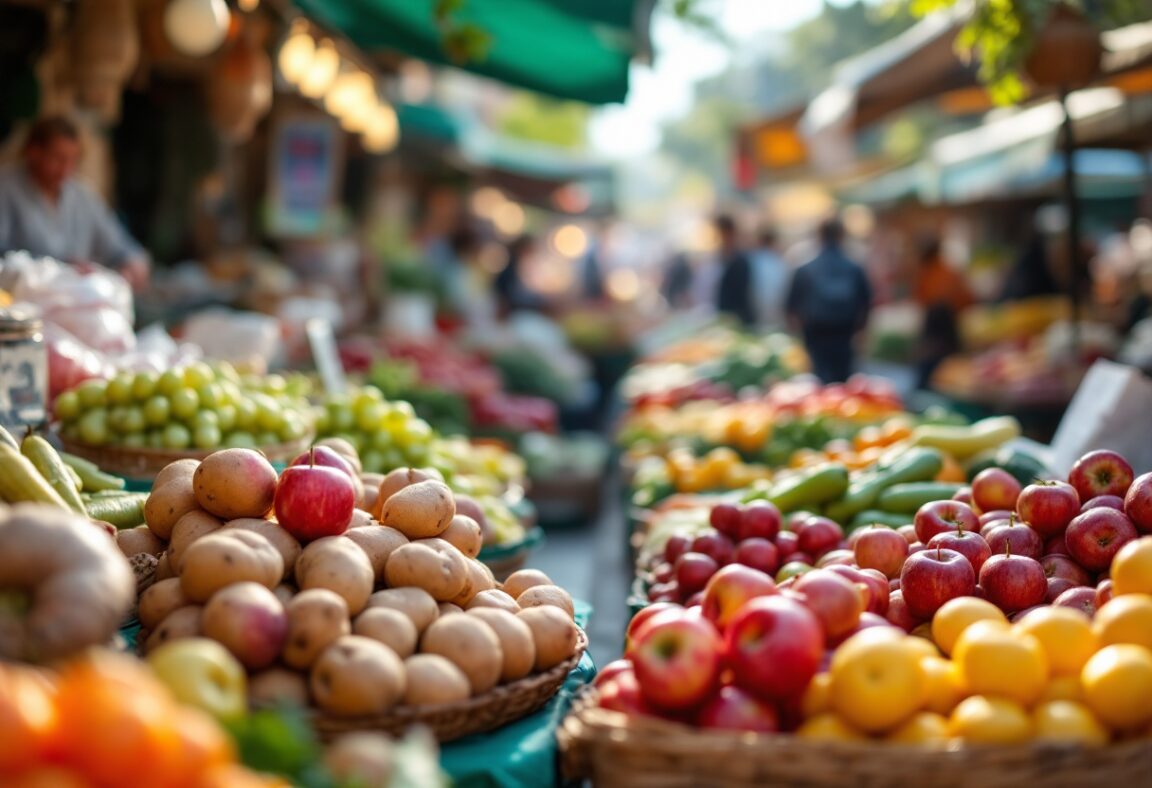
(251, 382)
(226, 417)
(92, 394)
(246, 410)
(393, 458)
(93, 427)
(116, 416)
(367, 394)
(205, 418)
(143, 385)
(269, 417)
(239, 440)
(184, 403)
(170, 382)
(176, 436)
(418, 455)
(343, 420)
(293, 428)
(206, 436)
(370, 415)
(405, 408)
(416, 433)
(274, 384)
(211, 395)
(381, 440)
(119, 390)
(323, 423)
(157, 411)
(372, 461)
(134, 420)
(198, 374)
(230, 393)
(154, 439)
(299, 385)
(67, 406)
(225, 371)
(267, 438)
(70, 432)
(134, 440)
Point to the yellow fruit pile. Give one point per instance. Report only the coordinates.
(1054, 676)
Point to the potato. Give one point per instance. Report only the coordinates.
(396, 480)
(163, 568)
(371, 482)
(391, 627)
(448, 607)
(160, 599)
(416, 603)
(361, 519)
(468, 643)
(188, 529)
(316, 618)
(276, 687)
(339, 564)
(180, 469)
(433, 679)
(423, 567)
(494, 598)
(221, 559)
(516, 641)
(357, 676)
(248, 620)
(140, 539)
(547, 595)
(468, 506)
(167, 504)
(420, 510)
(481, 576)
(183, 622)
(520, 581)
(553, 632)
(465, 534)
(378, 542)
(234, 483)
(283, 541)
(361, 758)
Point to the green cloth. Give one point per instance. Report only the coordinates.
(563, 48)
(522, 754)
(429, 121)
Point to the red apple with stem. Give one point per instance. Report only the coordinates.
(313, 501)
(1095, 536)
(730, 588)
(932, 577)
(1100, 472)
(817, 535)
(693, 571)
(971, 545)
(326, 457)
(773, 647)
(836, 601)
(725, 518)
(677, 661)
(942, 516)
(758, 553)
(733, 709)
(995, 488)
(1063, 567)
(881, 548)
(964, 496)
(1048, 506)
(1013, 582)
(759, 519)
(1108, 501)
(995, 514)
(1138, 503)
(1019, 538)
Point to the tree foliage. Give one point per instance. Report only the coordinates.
(536, 118)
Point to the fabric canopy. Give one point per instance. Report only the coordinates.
(572, 49)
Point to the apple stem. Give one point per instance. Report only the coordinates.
(1008, 549)
(939, 553)
(312, 457)
(1011, 519)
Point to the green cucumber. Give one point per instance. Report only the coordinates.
(906, 498)
(93, 478)
(123, 511)
(917, 464)
(870, 517)
(810, 488)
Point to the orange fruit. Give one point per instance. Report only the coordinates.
(27, 717)
(1065, 635)
(982, 720)
(877, 682)
(1117, 684)
(921, 645)
(924, 727)
(956, 615)
(818, 696)
(829, 727)
(1131, 570)
(1125, 619)
(1062, 688)
(997, 661)
(1068, 721)
(47, 777)
(203, 744)
(943, 686)
(236, 776)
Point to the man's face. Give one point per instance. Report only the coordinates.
(52, 163)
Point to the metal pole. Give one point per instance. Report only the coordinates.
(1072, 210)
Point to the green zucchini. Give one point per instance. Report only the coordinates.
(123, 511)
(917, 464)
(906, 498)
(810, 488)
(870, 517)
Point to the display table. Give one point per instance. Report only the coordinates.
(524, 753)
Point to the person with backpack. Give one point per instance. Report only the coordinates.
(829, 300)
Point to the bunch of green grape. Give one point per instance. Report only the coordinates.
(199, 406)
(497, 466)
(386, 434)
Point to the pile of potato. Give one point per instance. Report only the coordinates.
(397, 610)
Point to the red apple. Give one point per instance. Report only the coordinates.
(1048, 506)
(818, 535)
(1020, 615)
(1013, 582)
(696, 600)
(1063, 567)
(1108, 501)
(995, 514)
(941, 516)
(1138, 503)
(1094, 537)
(964, 496)
(894, 584)
(759, 519)
(915, 547)
(797, 558)
(758, 553)
(1103, 593)
(880, 548)
(876, 584)
(792, 569)
(774, 646)
(909, 533)
(622, 694)
(1079, 598)
(326, 457)
(663, 572)
(611, 671)
(730, 588)
(995, 488)
(837, 556)
(1056, 546)
(1056, 587)
(664, 592)
(677, 661)
(1019, 538)
(932, 577)
(871, 620)
(898, 613)
(676, 546)
(725, 518)
(787, 543)
(733, 709)
(716, 545)
(835, 600)
(693, 571)
(313, 501)
(795, 519)
(1100, 472)
(971, 546)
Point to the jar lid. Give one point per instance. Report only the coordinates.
(20, 317)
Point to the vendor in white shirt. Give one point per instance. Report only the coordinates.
(47, 212)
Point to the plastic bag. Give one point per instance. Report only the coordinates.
(70, 361)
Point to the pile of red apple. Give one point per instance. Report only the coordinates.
(744, 614)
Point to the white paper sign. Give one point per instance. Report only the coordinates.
(1112, 409)
(324, 352)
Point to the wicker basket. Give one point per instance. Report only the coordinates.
(451, 721)
(505, 559)
(143, 464)
(612, 749)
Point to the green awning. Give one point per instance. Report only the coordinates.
(573, 49)
(429, 121)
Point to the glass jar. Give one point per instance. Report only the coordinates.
(23, 369)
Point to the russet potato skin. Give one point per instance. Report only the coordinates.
(424, 567)
(183, 622)
(378, 542)
(316, 618)
(470, 644)
(553, 632)
(520, 581)
(416, 603)
(516, 643)
(167, 504)
(235, 483)
(420, 511)
(338, 564)
(433, 679)
(357, 676)
(158, 600)
(280, 539)
(192, 526)
(390, 627)
(226, 557)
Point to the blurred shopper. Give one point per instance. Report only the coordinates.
(591, 280)
(46, 211)
(829, 301)
(770, 277)
(466, 283)
(734, 291)
(677, 284)
(942, 293)
(512, 293)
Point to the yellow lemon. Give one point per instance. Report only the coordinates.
(1117, 683)
(997, 661)
(829, 727)
(1125, 619)
(957, 614)
(943, 688)
(982, 720)
(1131, 570)
(877, 683)
(1062, 688)
(1065, 635)
(924, 727)
(817, 697)
(1067, 720)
